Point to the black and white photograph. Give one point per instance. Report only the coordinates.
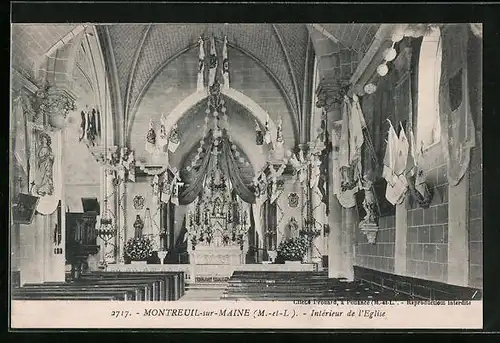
(163, 167)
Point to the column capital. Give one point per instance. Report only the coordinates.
(50, 103)
(316, 147)
(101, 153)
(331, 91)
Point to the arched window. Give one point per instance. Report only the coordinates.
(429, 74)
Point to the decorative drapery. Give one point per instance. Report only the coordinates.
(457, 127)
(195, 187)
(228, 166)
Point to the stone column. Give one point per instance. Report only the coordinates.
(318, 209)
(55, 257)
(335, 211)
(40, 241)
(108, 250)
(334, 237)
(400, 241)
(347, 242)
(122, 221)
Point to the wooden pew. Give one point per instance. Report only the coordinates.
(178, 279)
(142, 291)
(174, 281)
(153, 288)
(300, 286)
(66, 297)
(22, 293)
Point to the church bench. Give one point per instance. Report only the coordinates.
(67, 297)
(174, 280)
(142, 291)
(76, 294)
(178, 276)
(300, 286)
(133, 292)
(161, 288)
(154, 289)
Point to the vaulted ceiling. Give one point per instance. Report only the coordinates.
(140, 51)
(136, 53)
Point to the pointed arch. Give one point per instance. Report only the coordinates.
(255, 109)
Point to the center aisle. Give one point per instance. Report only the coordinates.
(204, 291)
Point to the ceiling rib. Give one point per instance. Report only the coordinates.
(116, 87)
(290, 68)
(132, 72)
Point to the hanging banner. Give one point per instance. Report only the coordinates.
(155, 189)
(174, 199)
(344, 170)
(225, 65)
(259, 136)
(45, 174)
(257, 215)
(402, 153)
(213, 63)
(267, 132)
(150, 138)
(201, 65)
(162, 141)
(83, 127)
(166, 189)
(174, 140)
(279, 152)
(457, 127)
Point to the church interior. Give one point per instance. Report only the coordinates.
(168, 162)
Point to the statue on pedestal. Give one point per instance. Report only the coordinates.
(368, 224)
(44, 182)
(138, 227)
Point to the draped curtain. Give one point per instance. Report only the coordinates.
(228, 166)
(195, 187)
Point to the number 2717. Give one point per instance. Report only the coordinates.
(117, 314)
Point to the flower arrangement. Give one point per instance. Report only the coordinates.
(292, 249)
(138, 249)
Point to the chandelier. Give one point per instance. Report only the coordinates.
(106, 230)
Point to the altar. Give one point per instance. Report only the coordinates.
(226, 255)
(218, 223)
(219, 246)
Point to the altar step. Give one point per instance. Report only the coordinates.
(206, 285)
(204, 291)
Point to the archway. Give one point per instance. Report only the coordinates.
(255, 109)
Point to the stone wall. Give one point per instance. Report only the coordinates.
(476, 168)
(427, 229)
